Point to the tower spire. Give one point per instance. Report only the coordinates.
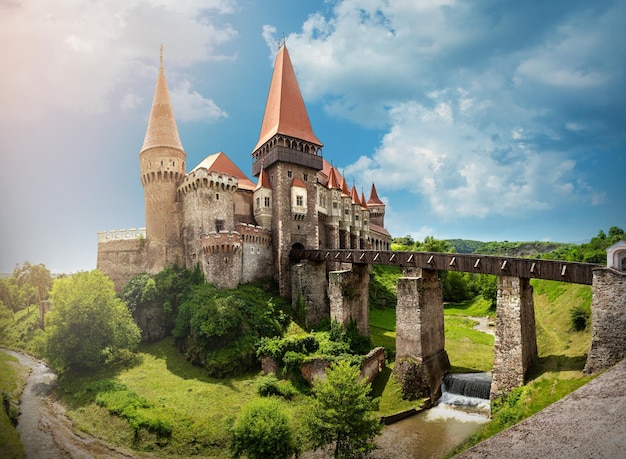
(285, 112)
(162, 130)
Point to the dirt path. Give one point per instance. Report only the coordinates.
(45, 431)
(485, 324)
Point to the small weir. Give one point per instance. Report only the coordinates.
(468, 392)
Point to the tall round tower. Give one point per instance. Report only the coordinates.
(162, 166)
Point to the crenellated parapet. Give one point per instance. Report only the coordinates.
(221, 242)
(251, 234)
(160, 176)
(121, 234)
(202, 178)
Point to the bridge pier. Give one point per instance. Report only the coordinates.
(348, 294)
(608, 320)
(515, 341)
(420, 326)
(308, 291)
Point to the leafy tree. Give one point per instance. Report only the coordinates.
(88, 324)
(28, 285)
(262, 430)
(342, 414)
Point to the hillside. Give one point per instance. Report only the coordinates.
(505, 248)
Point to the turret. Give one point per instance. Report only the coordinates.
(162, 165)
(263, 201)
(288, 152)
(376, 208)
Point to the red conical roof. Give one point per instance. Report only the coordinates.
(264, 181)
(363, 203)
(162, 130)
(285, 112)
(344, 187)
(221, 163)
(354, 194)
(374, 199)
(334, 181)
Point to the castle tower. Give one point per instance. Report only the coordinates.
(376, 208)
(162, 166)
(263, 201)
(288, 151)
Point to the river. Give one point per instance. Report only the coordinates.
(45, 431)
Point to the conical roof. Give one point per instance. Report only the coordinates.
(285, 112)
(162, 130)
(374, 199)
(264, 181)
(221, 163)
(363, 202)
(354, 195)
(345, 190)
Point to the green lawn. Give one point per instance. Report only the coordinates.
(12, 378)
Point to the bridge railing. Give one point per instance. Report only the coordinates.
(564, 271)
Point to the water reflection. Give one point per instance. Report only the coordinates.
(432, 433)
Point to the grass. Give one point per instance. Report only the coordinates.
(476, 307)
(12, 380)
(198, 408)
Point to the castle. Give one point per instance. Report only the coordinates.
(234, 229)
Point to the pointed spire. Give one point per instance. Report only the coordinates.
(354, 194)
(264, 181)
(162, 130)
(285, 112)
(344, 187)
(333, 179)
(374, 199)
(363, 203)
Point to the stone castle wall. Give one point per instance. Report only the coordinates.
(308, 291)
(608, 320)
(348, 297)
(121, 259)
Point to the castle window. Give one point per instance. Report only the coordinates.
(217, 196)
(306, 177)
(267, 201)
(289, 174)
(334, 205)
(346, 211)
(258, 202)
(161, 163)
(219, 225)
(299, 201)
(356, 217)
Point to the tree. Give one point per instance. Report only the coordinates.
(87, 324)
(262, 430)
(342, 413)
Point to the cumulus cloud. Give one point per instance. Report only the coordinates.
(466, 95)
(71, 58)
(192, 106)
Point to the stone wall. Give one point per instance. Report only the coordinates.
(316, 368)
(308, 291)
(122, 259)
(348, 295)
(515, 342)
(608, 320)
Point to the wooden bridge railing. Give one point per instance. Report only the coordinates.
(564, 271)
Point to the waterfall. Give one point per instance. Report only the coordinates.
(475, 385)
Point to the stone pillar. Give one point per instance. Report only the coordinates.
(333, 243)
(608, 320)
(348, 294)
(515, 341)
(308, 292)
(420, 325)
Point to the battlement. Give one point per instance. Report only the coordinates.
(202, 178)
(254, 234)
(122, 234)
(222, 242)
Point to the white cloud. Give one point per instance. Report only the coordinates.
(74, 57)
(190, 105)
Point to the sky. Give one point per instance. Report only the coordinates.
(477, 119)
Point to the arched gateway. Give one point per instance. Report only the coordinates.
(419, 310)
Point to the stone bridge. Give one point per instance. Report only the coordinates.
(419, 309)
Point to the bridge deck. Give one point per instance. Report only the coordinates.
(564, 271)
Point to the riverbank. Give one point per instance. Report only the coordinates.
(44, 429)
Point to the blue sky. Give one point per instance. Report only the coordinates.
(488, 120)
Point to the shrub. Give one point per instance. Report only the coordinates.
(262, 430)
(579, 317)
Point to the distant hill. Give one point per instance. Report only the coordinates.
(506, 248)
